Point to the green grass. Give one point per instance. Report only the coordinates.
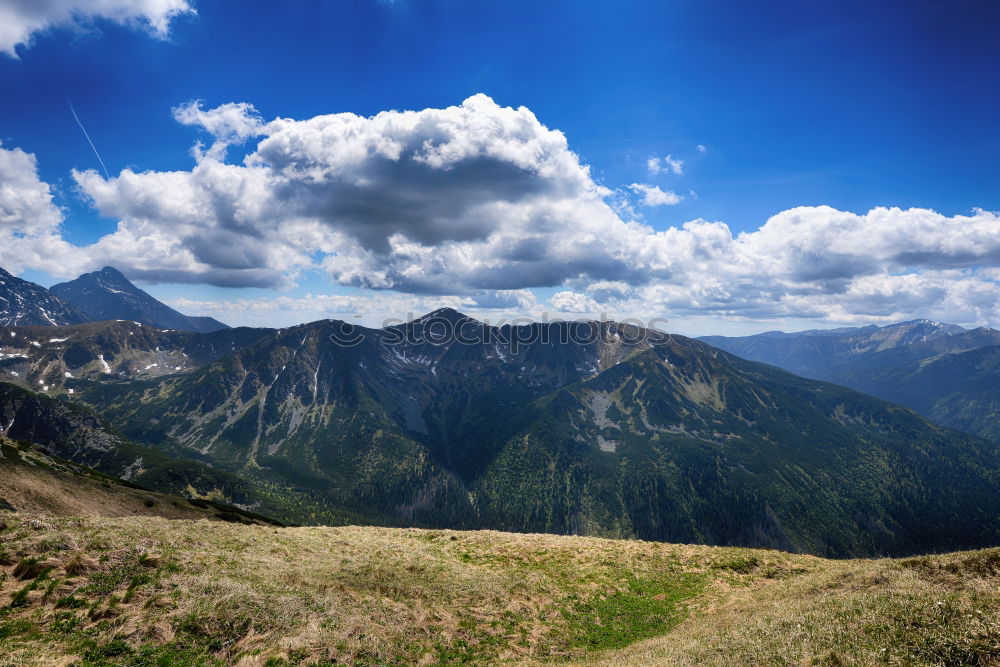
(647, 607)
(743, 565)
(145, 591)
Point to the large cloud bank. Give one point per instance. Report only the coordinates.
(481, 202)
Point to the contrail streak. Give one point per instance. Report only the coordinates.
(89, 140)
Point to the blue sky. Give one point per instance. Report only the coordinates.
(847, 105)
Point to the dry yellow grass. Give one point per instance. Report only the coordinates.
(38, 490)
(871, 612)
(151, 591)
(34, 483)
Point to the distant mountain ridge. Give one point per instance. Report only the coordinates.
(945, 372)
(108, 295)
(814, 353)
(960, 389)
(24, 303)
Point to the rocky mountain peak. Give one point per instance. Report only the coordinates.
(24, 303)
(108, 295)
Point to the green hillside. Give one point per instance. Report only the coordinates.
(716, 450)
(958, 390)
(656, 437)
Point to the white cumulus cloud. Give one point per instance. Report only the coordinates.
(373, 310)
(461, 199)
(653, 195)
(29, 219)
(21, 19)
(474, 205)
(228, 124)
(573, 302)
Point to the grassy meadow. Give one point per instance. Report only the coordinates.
(152, 591)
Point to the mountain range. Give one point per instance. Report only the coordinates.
(945, 372)
(590, 428)
(820, 353)
(93, 297)
(595, 428)
(52, 359)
